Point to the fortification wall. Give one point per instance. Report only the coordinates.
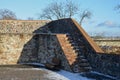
(25, 48)
(11, 46)
(30, 48)
(21, 26)
(109, 45)
(101, 62)
(108, 42)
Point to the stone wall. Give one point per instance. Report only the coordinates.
(31, 48)
(101, 62)
(26, 48)
(70, 26)
(105, 63)
(11, 46)
(111, 46)
(21, 26)
(107, 42)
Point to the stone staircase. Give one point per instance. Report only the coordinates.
(67, 49)
(74, 53)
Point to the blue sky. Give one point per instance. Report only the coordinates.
(105, 19)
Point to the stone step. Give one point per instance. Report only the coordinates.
(84, 60)
(81, 69)
(76, 44)
(76, 47)
(84, 64)
(81, 57)
(85, 70)
(77, 51)
(88, 68)
(72, 40)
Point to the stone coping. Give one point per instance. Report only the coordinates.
(26, 20)
(87, 37)
(115, 39)
(34, 33)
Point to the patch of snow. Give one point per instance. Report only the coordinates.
(54, 76)
(37, 64)
(108, 76)
(72, 76)
(49, 74)
(66, 74)
(61, 75)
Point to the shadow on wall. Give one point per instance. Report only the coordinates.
(30, 50)
(42, 48)
(105, 63)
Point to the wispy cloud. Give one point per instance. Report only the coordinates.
(108, 24)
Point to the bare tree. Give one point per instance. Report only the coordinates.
(85, 14)
(61, 10)
(71, 9)
(6, 14)
(117, 8)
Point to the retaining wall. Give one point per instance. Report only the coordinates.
(30, 48)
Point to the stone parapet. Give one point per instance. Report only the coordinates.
(21, 26)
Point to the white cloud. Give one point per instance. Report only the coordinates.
(108, 24)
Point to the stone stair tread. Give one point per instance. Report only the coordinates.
(81, 56)
(89, 68)
(76, 46)
(84, 64)
(83, 60)
(73, 52)
(84, 70)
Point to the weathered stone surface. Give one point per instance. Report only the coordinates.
(11, 46)
(31, 48)
(42, 48)
(20, 26)
(109, 65)
(109, 45)
(105, 63)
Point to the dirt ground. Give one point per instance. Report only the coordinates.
(7, 73)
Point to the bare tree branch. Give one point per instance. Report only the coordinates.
(6, 14)
(71, 9)
(117, 7)
(85, 14)
(61, 10)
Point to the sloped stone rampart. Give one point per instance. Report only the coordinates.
(99, 61)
